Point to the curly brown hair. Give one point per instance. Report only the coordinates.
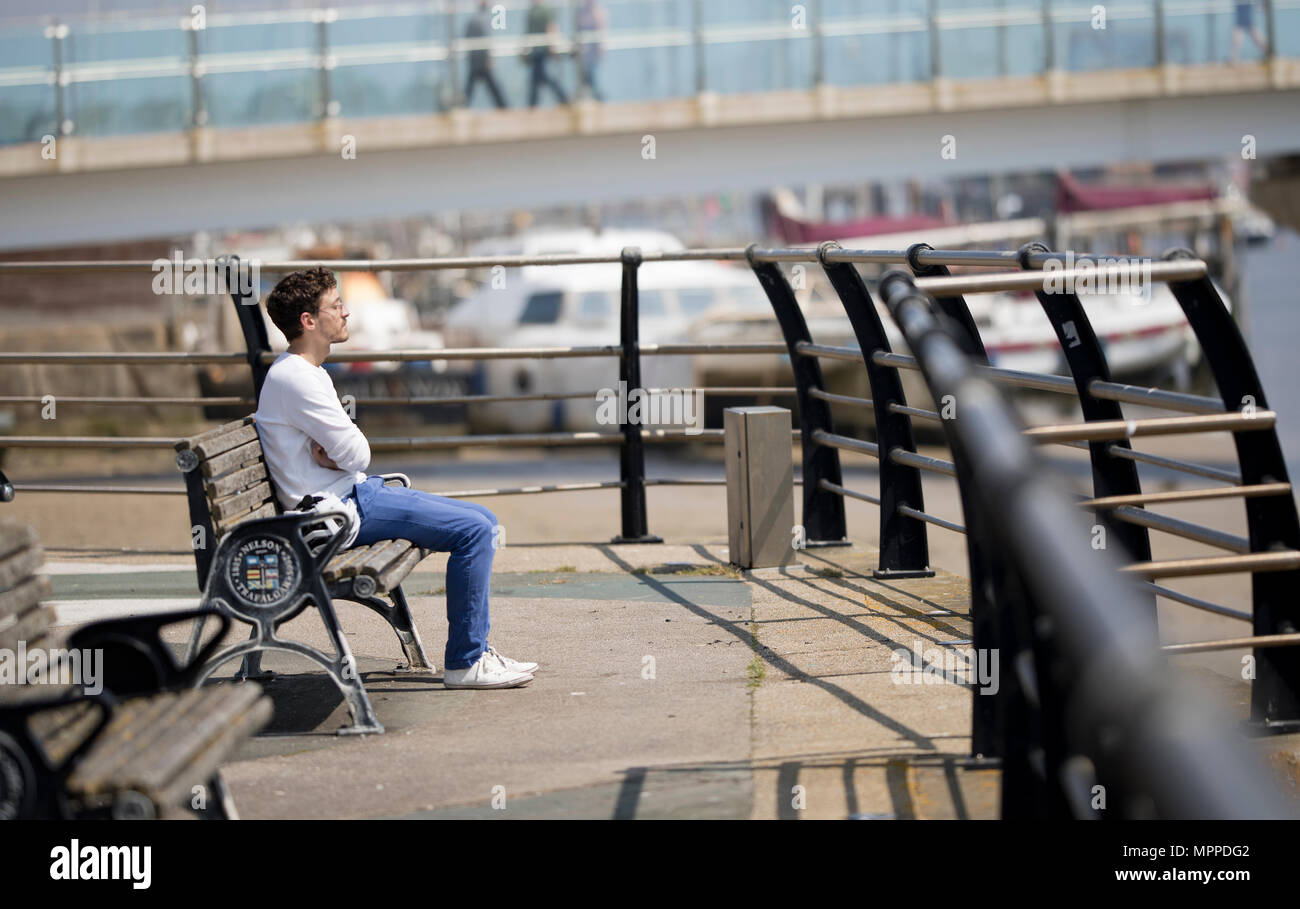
(297, 293)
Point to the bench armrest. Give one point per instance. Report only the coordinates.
(14, 721)
(136, 660)
(400, 478)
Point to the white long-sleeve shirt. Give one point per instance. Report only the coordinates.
(299, 405)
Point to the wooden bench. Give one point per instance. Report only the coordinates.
(146, 745)
(235, 516)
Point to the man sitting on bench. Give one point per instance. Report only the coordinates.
(312, 448)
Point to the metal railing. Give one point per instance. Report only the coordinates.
(1271, 552)
(630, 438)
(1085, 706)
(1006, 592)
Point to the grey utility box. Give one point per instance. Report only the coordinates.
(760, 486)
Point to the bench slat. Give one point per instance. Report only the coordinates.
(241, 502)
(153, 737)
(202, 437)
(20, 566)
(210, 448)
(134, 727)
(225, 525)
(33, 626)
(238, 481)
(192, 728)
(174, 800)
(244, 455)
(388, 552)
(61, 730)
(16, 601)
(338, 566)
(15, 536)
(397, 572)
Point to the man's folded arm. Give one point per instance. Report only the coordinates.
(322, 418)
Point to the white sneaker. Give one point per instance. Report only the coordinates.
(487, 672)
(513, 665)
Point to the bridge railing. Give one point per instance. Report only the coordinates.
(115, 75)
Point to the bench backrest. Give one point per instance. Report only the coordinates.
(227, 482)
(22, 617)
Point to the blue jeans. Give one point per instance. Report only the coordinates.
(463, 529)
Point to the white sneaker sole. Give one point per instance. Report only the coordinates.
(510, 683)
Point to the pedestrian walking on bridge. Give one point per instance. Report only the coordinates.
(541, 21)
(589, 24)
(480, 59)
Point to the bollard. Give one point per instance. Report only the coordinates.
(760, 486)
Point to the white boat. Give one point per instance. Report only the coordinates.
(578, 305)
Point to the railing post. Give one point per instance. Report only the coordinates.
(697, 31)
(632, 451)
(904, 543)
(987, 719)
(953, 307)
(1160, 32)
(1272, 520)
(1087, 361)
(1270, 31)
(1003, 65)
(328, 106)
(256, 343)
(198, 112)
(932, 20)
(823, 511)
(1049, 38)
(818, 65)
(56, 32)
(453, 58)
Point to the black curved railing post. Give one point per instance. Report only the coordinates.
(904, 544)
(1271, 520)
(631, 463)
(985, 620)
(954, 306)
(239, 283)
(1087, 361)
(823, 511)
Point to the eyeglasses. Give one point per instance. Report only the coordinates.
(339, 308)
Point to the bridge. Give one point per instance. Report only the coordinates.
(164, 119)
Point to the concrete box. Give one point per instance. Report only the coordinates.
(760, 486)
